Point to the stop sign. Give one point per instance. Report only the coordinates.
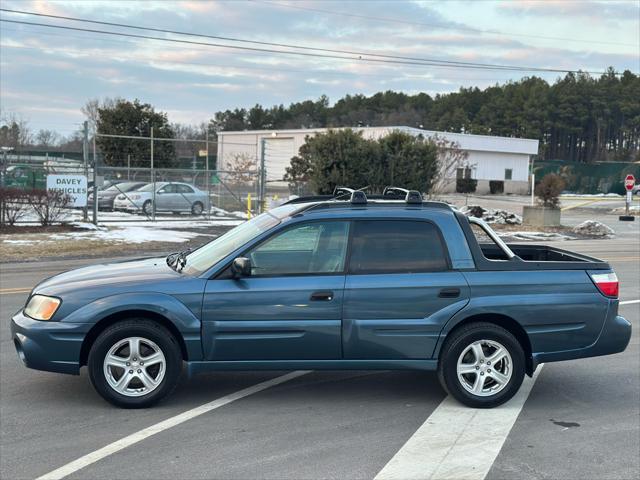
(629, 182)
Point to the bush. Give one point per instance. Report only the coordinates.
(496, 186)
(49, 205)
(549, 189)
(466, 185)
(13, 204)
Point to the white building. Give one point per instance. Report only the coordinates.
(489, 157)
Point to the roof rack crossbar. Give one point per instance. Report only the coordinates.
(392, 191)
(342, 191)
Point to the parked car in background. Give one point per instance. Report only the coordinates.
(173, 197)
(107, 196)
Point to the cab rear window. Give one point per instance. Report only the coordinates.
(396, 246)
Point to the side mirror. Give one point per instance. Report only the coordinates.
(241, 267)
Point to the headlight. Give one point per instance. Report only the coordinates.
(135, 197)
(41, 307)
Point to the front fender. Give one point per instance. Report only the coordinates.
(180, 312)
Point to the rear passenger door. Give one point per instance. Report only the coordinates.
(185, 197)
(399, 290)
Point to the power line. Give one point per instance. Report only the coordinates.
(255, 42)
(222, 65)
(360, 56)
(438, 25)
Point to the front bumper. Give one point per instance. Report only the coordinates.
(49, 346)
(614, 338)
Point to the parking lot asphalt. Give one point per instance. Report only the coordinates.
(581, 419)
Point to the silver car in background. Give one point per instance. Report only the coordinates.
(173, 197)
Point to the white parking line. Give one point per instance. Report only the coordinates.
(125, 442)
(457, 442)
(629, 302)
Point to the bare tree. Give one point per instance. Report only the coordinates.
(49, 205)
(47, 138)
(450, 157)
(14, 131)
(242, 168)
(91, 111)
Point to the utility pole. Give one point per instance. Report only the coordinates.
(95, 181)
(85, 158)
(153, 180)
(263, 176)
(207, 175)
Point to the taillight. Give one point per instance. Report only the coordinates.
(607, 283)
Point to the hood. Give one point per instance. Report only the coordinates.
(142, 271)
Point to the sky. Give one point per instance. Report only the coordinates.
(48, 74)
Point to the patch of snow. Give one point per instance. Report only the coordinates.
(594, 195)
(533, 236)
(593, 228)
(19, 242)
(633, 210)
(492, 215)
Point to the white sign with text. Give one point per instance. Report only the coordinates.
(73, 185)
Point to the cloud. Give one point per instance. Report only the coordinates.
(191, 82)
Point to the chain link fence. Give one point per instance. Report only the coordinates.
(137, 178)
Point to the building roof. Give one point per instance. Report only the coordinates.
(482, 143)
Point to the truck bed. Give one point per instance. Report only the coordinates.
(535, 253)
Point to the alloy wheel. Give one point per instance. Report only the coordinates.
(484, 368)
(134, 366)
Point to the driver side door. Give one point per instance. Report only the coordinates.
(290, 307)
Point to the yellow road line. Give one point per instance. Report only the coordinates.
(10, 291)
(579, 205)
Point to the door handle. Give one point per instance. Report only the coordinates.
(449, 293)
(323, 295)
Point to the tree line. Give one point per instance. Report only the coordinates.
(577, 118)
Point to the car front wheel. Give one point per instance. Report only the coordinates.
(135, 363)
(482, 365)
(147, 207)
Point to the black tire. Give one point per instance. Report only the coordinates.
(197, 208)
(137, 327)
(147, 208)
(455, 345)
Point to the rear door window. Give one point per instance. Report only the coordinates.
(396, 246)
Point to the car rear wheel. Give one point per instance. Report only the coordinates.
(135, 363)
(482, 365)
(197, 208)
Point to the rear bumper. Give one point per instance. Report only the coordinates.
(48, 346)
(613, 338)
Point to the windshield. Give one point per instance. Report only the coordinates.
(147, 188)
(208, 255)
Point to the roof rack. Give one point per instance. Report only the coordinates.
(358, 197)
(394, 191)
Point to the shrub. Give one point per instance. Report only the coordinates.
(496, 186)
(49, 205)
(466, 185)
(549, 189)
(13, 204)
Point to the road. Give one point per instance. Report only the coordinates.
(581, 419)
